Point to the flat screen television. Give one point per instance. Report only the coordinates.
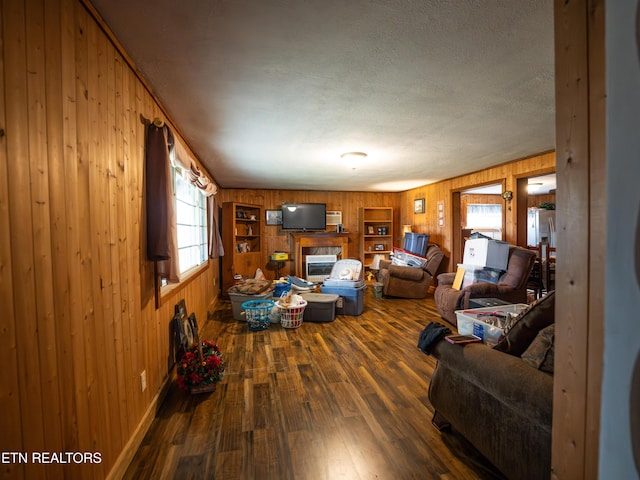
(304, 217)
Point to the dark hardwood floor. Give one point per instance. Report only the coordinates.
(339, 400)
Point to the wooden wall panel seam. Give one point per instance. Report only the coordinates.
(10, 423)
(40, 200)
(21, 227)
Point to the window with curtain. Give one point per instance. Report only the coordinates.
(180, 208)
(191, 220)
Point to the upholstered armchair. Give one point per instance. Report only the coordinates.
(511, 286)
(410, 282)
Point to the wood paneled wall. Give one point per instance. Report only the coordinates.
(347, 202)
(79, 322)
(536, 200)
(507, 173)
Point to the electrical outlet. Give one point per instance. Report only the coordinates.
(143, 380)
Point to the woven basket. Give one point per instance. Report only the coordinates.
(209, 387)
(291, 316)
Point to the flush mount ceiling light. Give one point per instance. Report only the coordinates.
(533, 187)
(354, 159)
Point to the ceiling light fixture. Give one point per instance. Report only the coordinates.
(533, 187)
(354, 159)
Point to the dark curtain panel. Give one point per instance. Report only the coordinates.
(158, 187)
(215, 242)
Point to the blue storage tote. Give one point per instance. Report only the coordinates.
(416, 243)
(351, 301)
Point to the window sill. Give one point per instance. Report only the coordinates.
(190, 275)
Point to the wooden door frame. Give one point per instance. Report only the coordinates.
(456, 216)
(522, 203)
(581, 219)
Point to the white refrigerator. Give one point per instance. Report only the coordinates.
(541, 226)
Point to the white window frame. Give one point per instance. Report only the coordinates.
(191, 214)
(486, 219)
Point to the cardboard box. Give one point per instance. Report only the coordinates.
(481, 323)
(484, 252)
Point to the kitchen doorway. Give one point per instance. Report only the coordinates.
(534, 193)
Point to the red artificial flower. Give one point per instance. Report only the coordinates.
(195, 370)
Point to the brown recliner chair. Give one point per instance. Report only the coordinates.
(511, 286)
(410, 282)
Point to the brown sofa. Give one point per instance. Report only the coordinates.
(410, 282)
(500, 399)
(511, 286)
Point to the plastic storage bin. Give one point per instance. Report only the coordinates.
(483, 252)
(281, 288)
(479, 322)
(347, 273)
(416, 243)
(351, 301)
(321, 307)
(474, 274)
(237, 299)
(404, 258)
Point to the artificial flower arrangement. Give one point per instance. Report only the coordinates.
(201, 367)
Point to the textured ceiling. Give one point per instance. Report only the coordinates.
(270, 93)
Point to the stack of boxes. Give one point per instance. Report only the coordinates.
(484, 260)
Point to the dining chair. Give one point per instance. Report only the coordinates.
(549, 267)
(535, 281)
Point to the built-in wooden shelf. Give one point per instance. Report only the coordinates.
(376, 225)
